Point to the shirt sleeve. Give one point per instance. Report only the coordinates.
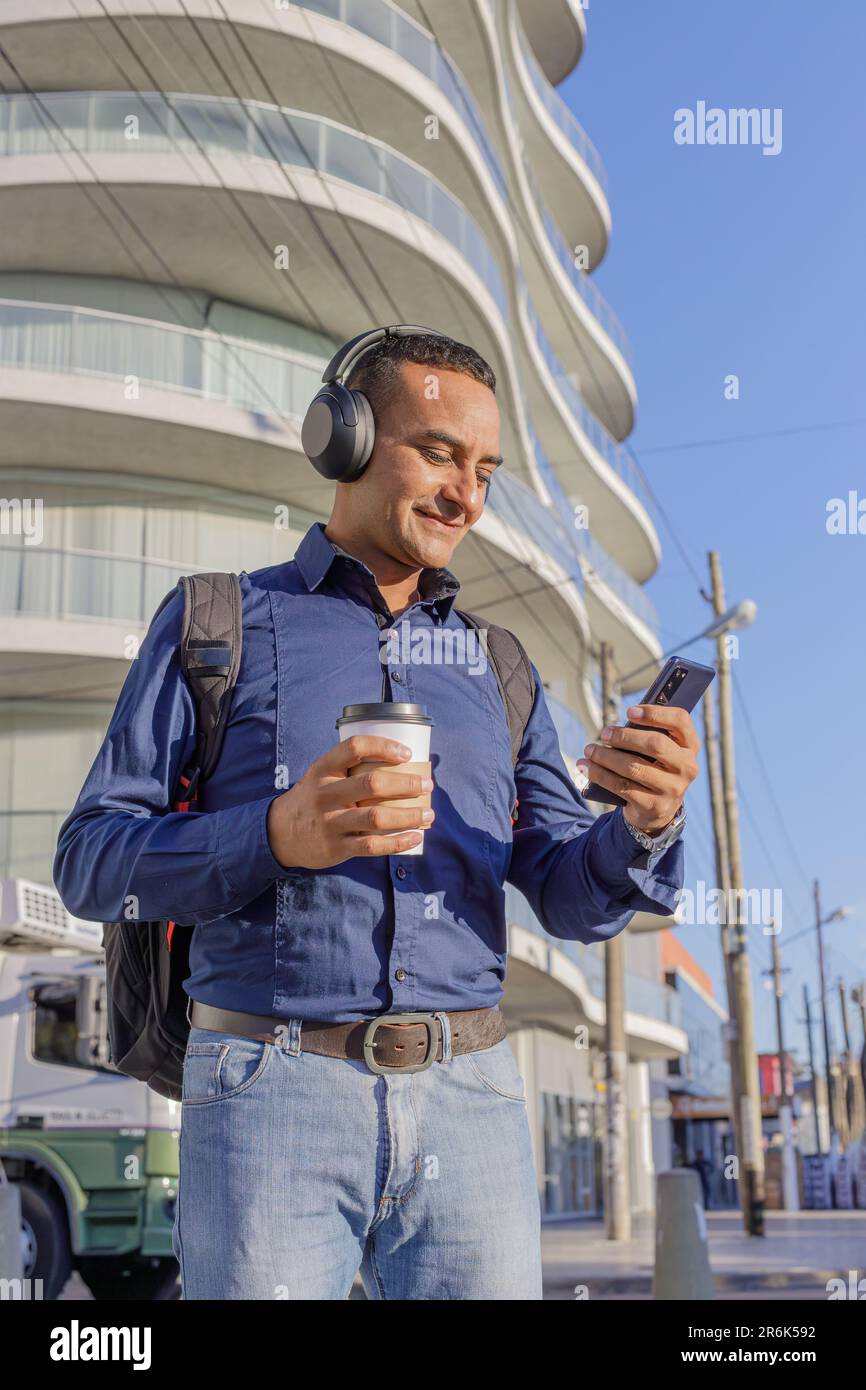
(584, 877)
(122, 853)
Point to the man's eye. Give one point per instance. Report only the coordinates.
(436, 456)
(484, 478)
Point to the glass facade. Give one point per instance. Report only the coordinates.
(572, 1157)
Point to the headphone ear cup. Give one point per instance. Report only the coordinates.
(365, 436)
(338, 432)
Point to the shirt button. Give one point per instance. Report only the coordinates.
(400, 975)
(395, 676)
(401, 872)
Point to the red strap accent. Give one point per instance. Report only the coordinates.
(178, 806)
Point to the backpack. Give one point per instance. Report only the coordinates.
(146, 963)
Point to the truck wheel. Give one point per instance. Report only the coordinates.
(117, 1281)
(44, 1240)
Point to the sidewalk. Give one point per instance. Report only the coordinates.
(796, 1257)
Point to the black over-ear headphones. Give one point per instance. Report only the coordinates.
(338, 430)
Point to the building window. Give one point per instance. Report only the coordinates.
(572, 1157)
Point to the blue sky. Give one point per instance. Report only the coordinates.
(724, 260)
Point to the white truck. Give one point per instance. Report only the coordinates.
(94, 1153)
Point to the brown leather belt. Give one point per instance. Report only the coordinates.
(389, 1042)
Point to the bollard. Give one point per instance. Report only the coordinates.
(11, 1266)
(682, 1265)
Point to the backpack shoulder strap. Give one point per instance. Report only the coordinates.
(513, 675)
(210, 655)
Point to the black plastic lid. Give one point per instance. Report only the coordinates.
(404, 712)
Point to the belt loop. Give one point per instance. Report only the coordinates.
(189, 1004)
(445, 1025)
(293, 1046)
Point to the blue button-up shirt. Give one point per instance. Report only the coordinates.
(370, 935)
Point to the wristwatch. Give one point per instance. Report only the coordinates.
(665, 838)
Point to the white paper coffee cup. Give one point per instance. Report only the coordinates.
(401, 722)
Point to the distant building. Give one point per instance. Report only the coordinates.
(697, 1083)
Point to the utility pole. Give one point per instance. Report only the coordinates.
(723, 880)
(855, 1102)
(819, 1147)
(786, 1113)
(859, 997)
(617, 1204)
(823, 983)
(752, 1156)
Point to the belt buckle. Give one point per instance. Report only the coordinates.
(375, 1024)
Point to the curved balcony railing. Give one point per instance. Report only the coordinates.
(650, 998)
(572, 734)
(52, 337)
(47, 582)
(612, 452)
(95, 342)
(586, 287)
(633, 596)
(583, 283)
(561, 114)
(175, 123)
(379, 20)
(217, 125)
(518, 506)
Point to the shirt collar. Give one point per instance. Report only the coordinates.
(316, 555)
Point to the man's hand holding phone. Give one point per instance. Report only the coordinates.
(652, 792)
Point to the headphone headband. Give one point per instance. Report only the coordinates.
(338, 432)
(346, 356)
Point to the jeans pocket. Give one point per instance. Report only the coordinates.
(496, 1069)
(223, 1068)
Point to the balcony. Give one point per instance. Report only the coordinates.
(94, 342)
(568, 166)
(357, 62)
(563, 982)
(425, 258)
(397, 31)
(589, 464)
(556, 29)
(570, 731)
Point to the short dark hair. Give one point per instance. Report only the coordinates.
(377, 374)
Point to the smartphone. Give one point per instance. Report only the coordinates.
(680, 683)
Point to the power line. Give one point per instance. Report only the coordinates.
(587, 362)
(747, 438)
(42, 111)
(759, 757)
(308, 306)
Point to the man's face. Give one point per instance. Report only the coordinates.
(437, 445)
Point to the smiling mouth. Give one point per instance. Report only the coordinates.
(438, 521)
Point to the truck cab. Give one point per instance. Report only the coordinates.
(94, 1153)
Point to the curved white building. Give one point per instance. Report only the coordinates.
(200, 200)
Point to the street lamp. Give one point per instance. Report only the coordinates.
(741, 615)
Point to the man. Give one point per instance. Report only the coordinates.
(300, 1164)
(703, 1168)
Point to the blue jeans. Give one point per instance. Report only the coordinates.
(297, 1171)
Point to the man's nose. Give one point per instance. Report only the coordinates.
(464, 489)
